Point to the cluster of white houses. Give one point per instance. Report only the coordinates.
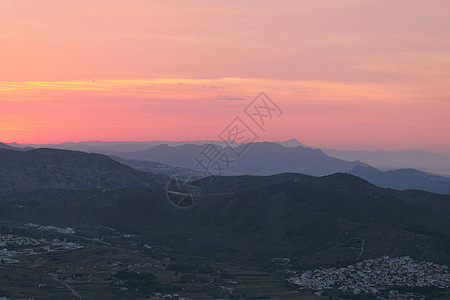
(13, 246)
(67, 230)
(371, 276)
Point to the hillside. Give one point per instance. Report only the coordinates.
(250, 219)
(62, 169)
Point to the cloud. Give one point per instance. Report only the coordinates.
(230, 98)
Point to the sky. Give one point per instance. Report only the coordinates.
(359, 74)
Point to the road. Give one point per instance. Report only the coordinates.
(75, 293)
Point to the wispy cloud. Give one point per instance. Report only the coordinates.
(230, 98)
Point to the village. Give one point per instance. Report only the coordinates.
(373, 275)
(67, 230)
(13, 246)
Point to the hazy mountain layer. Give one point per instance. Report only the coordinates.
(259, 158)
(404, 179)
(389, 160)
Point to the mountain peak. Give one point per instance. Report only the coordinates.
(291, 143)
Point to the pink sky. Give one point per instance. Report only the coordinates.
(347, 74)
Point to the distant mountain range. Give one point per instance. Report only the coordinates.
(268, 158)
(111, 147)
(383, 160)
(259, 158)
(404, 179)
(129, 146)
(388, 160)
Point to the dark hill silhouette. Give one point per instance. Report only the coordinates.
(64, 169)
(311, 220)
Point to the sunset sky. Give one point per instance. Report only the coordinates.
(360, 74)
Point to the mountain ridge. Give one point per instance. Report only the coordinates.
(311, 220)
(52, 168)
(404, 179)
(251, 161)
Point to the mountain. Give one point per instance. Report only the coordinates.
(388, 160)
(110, 147)
(5, 146)
(291, 143)
(404, 179)
(263, 158)
(270, 158)
(177, 156)
(63, 169)
(251, 219)
(383, 160)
